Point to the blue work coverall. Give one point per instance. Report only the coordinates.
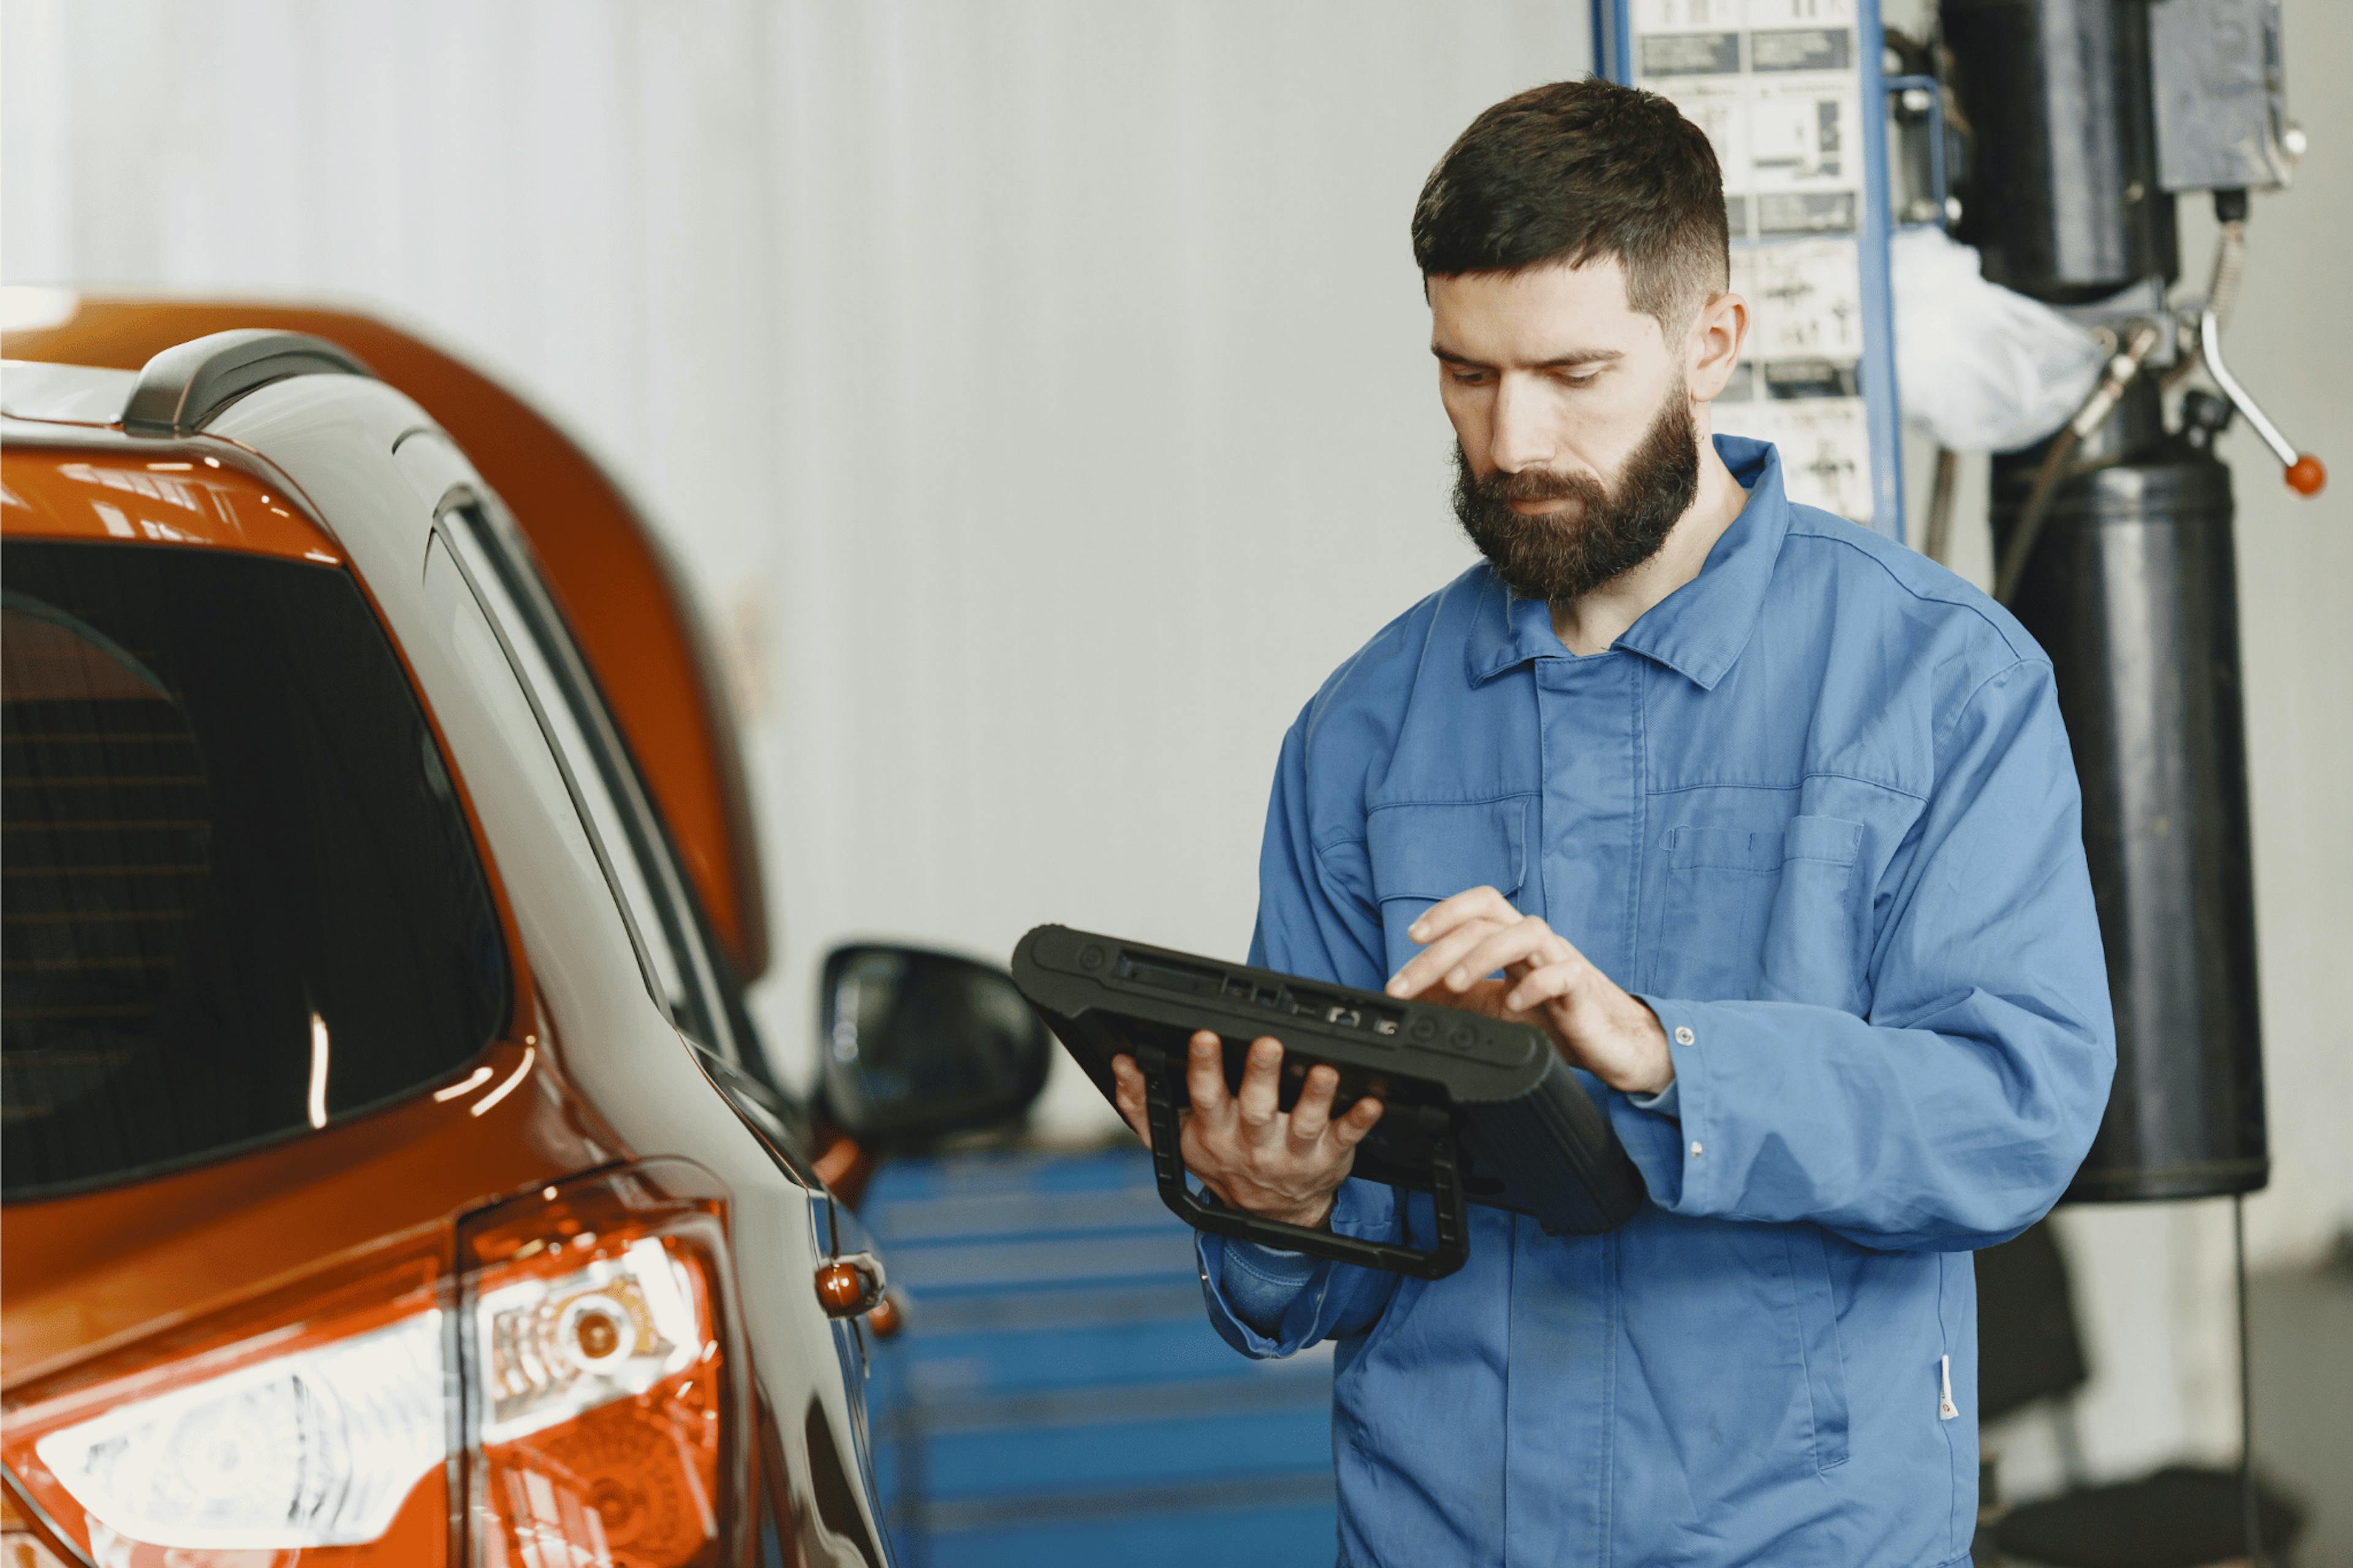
(1816, 808)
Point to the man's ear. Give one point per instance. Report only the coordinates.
(1713, 347)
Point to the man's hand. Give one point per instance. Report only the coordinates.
(1597, 1027)
(1242, 1146)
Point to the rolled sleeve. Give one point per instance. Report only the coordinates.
(1244, 1283)
(1262, 1282)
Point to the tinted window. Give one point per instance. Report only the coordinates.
(241, 897)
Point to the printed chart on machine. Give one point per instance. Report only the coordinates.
(1775, 86)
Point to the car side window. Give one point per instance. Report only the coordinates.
(645, 878)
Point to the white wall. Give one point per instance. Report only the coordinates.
(1036, 391)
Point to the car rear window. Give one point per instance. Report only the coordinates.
(241, 898)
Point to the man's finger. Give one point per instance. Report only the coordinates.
(1531, 938)
(1312, 1113)
(1127, 1093)
(1262, 1082)
(1350, 1129)
(1538, 986)
(1472, 903)
(1205, 1079)
(1426, 968)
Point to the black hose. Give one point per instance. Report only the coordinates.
(2140, 339)
(2030, 519)
(1937, 542)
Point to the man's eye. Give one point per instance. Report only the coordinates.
(1577, 377)
(1462, 377)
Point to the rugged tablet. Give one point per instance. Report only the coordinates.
(1477, 1110)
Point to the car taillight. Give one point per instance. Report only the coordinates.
(607, 1412)
(313, 1447)
(579, 1367)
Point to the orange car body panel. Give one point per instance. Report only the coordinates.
(91, 1269)
(85, 1270)
(627, 608)
(177, 498)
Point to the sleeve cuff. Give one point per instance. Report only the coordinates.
(1666, 1133)
(1270, 1264)
(1667, 1102)
(1234, 1277)
(1261, 1282)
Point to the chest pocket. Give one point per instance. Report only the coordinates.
(1421, 854)
(1768, 915)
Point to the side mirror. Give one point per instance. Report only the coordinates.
(916, 1043)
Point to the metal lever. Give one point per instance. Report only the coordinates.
(2305, 473)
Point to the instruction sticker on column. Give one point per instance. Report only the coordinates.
(1693, 15)
(1720, 109)
(1805, 154)
(1811, 409)
(1800, 35)
(1826, 455)
(1688, 37)
(1805, 298)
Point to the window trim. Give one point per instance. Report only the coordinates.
(475, 529)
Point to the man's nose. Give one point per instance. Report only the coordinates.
(1521, 439)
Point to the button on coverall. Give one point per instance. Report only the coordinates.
(1816, 808)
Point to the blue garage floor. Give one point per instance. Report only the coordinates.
(1058, 1397)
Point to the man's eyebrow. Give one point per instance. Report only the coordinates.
(1568, 361)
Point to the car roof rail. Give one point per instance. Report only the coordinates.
(182, 388)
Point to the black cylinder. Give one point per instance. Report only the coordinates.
(2132, 590)
(2060, 193)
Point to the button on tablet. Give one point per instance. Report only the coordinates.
(1509, 1049)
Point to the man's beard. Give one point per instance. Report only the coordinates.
(1602, 533)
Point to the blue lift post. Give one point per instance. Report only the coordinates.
(1792, 94)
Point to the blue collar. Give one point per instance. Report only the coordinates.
(1698, 630)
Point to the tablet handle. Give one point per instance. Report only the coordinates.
(1162, 1083)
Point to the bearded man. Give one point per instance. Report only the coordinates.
(1771, 825)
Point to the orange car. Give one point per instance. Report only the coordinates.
(392, 1174)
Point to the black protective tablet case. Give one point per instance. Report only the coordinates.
(1477, 1110)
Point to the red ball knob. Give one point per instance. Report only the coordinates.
(2306, 475)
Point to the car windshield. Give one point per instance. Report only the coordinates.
(241, 898)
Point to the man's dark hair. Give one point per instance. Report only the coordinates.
(1574, 171)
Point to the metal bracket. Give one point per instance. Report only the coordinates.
(1940, 195)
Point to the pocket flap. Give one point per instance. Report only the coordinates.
(1831, 838)
(1421, 851)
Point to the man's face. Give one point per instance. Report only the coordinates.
(1576, 446)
